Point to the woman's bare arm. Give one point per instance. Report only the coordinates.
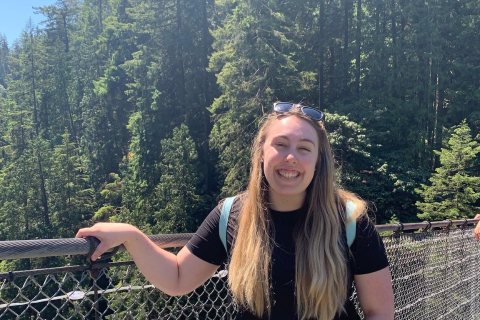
(375, 294)
(173, 274)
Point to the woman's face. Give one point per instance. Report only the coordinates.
(289, 157)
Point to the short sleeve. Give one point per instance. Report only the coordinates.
(206, 243)
(368, 251)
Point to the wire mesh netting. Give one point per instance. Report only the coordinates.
(434, 277)
(112, 292)
(435, 274)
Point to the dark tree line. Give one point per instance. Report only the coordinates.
(144, 111)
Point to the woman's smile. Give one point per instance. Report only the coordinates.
(288, 174)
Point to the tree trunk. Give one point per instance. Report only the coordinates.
(69, 168)
(346, 60)
(100, 16)
(25, 199)
(331, 74)
(22, 130)
(69, 110)
(358, 40)
(394, 46)
(35, 113)
(43, 192)
(44, 114)
(439, 115)
(205, 97)
(429, 104)
(321, 55)
(180, 67)
(65, 30)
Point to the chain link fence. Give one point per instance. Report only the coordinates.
(113, 291)
(434, 277)
(435, 274)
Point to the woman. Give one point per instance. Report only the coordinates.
(289, 257)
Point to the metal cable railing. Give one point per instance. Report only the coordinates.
(434, 274)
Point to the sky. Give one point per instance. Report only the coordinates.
(14, 15)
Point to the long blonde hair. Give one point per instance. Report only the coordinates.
(320, 258)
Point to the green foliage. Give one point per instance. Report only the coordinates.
(253, 58)
(176, 197)
(22, 207)
(144, 112)
(384, 183)
(453, 191)
(95, 103)
(4, 70)
(70, 191)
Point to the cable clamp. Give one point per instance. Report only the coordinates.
(11, 276)
(449, 225)
(397, 232)
(91, 250)
(429, 226)
(93, 245)
(109, 255)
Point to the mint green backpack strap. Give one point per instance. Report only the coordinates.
(351, 227)
(222, 227)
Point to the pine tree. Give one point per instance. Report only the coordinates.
(176, 196)
(71, 194)
(254, 62)
(454, 190)
(111, 195)
(4, 52)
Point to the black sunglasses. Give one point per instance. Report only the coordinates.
(285, 107)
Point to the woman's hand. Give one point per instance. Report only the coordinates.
(109, 234)
(476, 232)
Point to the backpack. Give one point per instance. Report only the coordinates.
(350, 228)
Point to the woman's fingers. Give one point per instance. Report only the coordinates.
(109, 234)
(82, 233)
(476, 232)
(102, 247)
(96, 231)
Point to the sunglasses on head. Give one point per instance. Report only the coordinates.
(285, 107)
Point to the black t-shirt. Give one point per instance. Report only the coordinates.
(367, 255)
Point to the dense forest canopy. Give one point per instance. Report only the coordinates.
(143, 111)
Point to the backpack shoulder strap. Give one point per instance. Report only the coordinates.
(227, 205)
(351, 227)
(222, 227)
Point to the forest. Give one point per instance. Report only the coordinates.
(143, 111)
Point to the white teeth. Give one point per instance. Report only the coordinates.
(288, 175)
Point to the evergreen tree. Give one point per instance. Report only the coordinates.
(176, 198)
(111, 195)
(58, 90)
(122, 74)
(105, 105)
(70, 192)
(454, 191)
(254, 62)
(24, 206)
(4, 52)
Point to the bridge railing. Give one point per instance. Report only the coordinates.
(435, 267)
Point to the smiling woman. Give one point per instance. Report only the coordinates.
(286, 237)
